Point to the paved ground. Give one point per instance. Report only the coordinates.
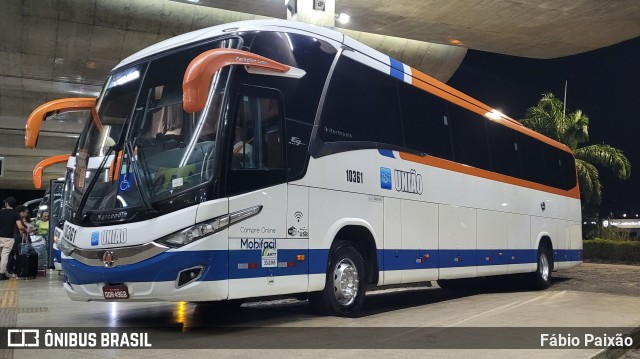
(634, 354)
(600, 278)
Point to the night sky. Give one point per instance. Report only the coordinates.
(604, 84)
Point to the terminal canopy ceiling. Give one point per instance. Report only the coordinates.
(541, 29)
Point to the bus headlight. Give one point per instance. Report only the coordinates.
(66, 247)
(191, 234)
(57, 236)
(206, 228)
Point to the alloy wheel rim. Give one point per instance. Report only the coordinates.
(544, 267)
(345, 282)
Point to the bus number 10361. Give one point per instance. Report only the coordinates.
(355, 176)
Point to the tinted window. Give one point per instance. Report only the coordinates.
(560, 166)
(257, 139)
(531, 159)
(553, 166)
(424, 122)
(469, 137)
(568, 170)
(504, 150)
(314, 56)
(361, 105)
(256, 146)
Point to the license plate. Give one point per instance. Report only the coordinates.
(113, 292)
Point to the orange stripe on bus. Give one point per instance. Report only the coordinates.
(460, 168)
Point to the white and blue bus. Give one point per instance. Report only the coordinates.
(267, 158)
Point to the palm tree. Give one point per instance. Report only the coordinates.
(548, 118)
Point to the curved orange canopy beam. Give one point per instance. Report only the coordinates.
(197, 77)
(47, 162)
(32, 128)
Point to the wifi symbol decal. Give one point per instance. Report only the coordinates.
(298, 215)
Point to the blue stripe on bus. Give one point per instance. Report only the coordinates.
(567, 255)
(387, 153)
(162, 267)
(576, 255)
(57, 255)
(397, 70)
(234, 264)
(452, 258)
(318, 260)
(248, 264)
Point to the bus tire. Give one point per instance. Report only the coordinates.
(541, 278)
(345, 286)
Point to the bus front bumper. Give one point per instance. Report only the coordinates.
(159, 278)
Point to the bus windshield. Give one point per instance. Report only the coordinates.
(113, 107)
(163, 150)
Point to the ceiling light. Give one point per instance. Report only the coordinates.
(455, 42)
(343, 18)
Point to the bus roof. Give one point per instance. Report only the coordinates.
(248, 25)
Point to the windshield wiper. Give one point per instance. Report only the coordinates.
(92, 183)
(136, 175)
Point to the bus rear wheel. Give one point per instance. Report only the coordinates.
(344, 289)
(541, 278)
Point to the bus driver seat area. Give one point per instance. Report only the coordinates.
(163, 137)
(166, 118)
(256, 142)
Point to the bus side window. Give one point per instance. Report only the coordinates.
(503, 147)
(560, 166)
(469, 137)
(361, 105)
(257, 137)
(553, 165)
(568, 170)
(531, 159)
(257, 141)
(424, 122)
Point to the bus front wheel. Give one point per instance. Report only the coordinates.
(344, 289)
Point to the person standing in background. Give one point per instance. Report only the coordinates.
(19, 237)
(25, 217)
(43, 225)
(9, 221)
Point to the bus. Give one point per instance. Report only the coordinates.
(51, 203)
(268, 158)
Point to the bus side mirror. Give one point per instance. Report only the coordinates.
(47, 162)
(197, 77)
(34, 122)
